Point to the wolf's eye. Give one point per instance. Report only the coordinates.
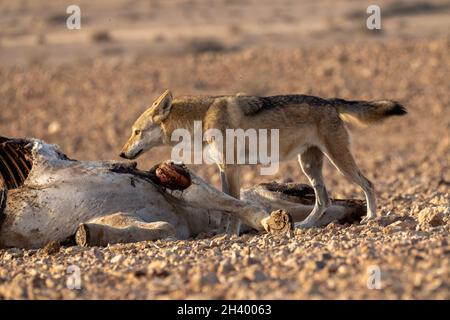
(136, 132)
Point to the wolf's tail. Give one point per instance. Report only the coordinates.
(366, 112)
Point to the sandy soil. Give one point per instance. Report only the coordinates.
(86, 102)
(35, 31)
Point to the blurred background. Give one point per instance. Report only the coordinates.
(35, 31)
(83, 89)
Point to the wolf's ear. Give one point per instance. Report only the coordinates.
(161, 107)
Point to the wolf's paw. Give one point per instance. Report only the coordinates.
(366, 219)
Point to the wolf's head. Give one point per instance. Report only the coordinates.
(146, 132)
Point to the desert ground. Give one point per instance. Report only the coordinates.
(82, 89)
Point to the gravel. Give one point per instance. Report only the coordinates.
(334, 262)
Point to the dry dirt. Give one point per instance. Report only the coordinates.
(86, 105)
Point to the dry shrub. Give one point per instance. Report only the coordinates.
(101, 36)
(205, 45)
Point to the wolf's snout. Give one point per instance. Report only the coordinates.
(127, 155)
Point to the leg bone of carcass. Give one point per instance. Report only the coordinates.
(202, 195)
(121, 228)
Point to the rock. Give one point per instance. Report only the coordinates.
(200, 280)
(325, 256)
(7, 256)
(140, 273)
(254, 274)
(343, 269)
(432, 217)
(54, 127)
(117, 259)
(158, 269)
(51, 248)
(225, 267)
(247, 261)
(98, 254)
(404, 224)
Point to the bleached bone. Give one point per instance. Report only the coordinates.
(50, 197)
(121, 227)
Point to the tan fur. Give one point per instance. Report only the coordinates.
(309, 127)
(363, 113)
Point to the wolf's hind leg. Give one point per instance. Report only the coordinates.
(311, 161)
(121, 228)
(338, 151)
(234, 184)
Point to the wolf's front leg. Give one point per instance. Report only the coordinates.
(224, 182)
(230, 179)
(225, 220)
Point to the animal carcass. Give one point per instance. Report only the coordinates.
(46, 196)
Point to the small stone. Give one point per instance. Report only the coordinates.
(51, 248)
(253, 274)
(158, 269)
(8, 256)
(200, 280)
(431, 217)
(247, 261)
(343, 269)
(140, 273)
(325, 256)
(225, 267)
(54, 127)
(117, 259)
(99, 254)
(403, 224)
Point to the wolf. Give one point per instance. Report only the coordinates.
(309, 127)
